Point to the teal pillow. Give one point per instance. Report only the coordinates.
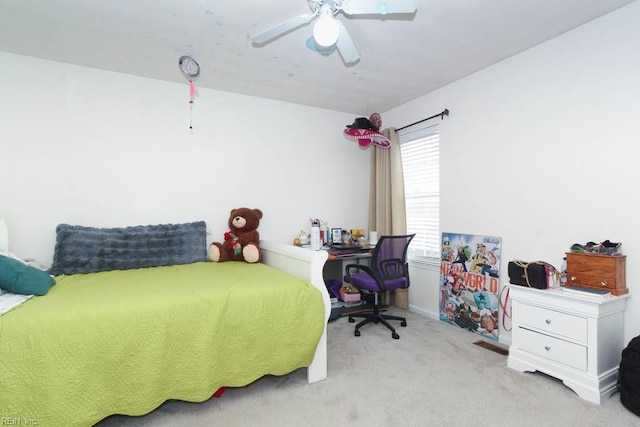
(20, 278)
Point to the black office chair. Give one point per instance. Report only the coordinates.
(387, 271)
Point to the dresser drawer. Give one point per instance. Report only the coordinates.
(553, 349)
(551, 321)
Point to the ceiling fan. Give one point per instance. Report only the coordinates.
(328, 31)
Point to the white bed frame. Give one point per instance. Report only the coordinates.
(308, 265)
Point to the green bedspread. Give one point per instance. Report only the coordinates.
(123, 342)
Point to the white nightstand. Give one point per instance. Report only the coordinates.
(574, 336)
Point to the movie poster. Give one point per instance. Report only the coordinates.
(470, 282)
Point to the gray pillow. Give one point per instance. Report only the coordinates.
(82, 249)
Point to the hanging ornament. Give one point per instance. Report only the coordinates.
(365, 131)
(376, 121)
(192, 91)
(191, 70)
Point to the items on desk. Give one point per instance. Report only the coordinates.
(336, 236)
(325, 232)
(301, 239)
(315, 235)
(373, 238)
(322, 235)
(341, 236)
(357, 234)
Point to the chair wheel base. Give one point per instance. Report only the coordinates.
(378, 319)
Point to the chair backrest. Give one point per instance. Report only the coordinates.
(389, 258)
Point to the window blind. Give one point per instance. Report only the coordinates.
(420, 152)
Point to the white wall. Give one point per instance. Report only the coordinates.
(540, 149)
(97, 148)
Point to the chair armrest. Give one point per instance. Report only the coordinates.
(365, 269)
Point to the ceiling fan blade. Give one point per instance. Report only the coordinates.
(346, 47)
(280, 29)
(379, 7)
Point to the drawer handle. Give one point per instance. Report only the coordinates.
(573, 278)
(546, 347)
(604, 283)
(548, 321)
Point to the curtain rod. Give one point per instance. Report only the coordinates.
(441, 115)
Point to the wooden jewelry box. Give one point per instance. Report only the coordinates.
(605, 272)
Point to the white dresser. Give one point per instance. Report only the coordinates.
(575, 337)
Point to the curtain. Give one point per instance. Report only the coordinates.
(387, 214)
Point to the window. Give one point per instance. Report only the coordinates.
(420, 152)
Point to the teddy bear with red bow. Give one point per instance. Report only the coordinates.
(242, 241)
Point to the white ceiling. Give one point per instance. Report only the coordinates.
(401, 59)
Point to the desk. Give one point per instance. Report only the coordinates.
(334, 270)
(334, 267)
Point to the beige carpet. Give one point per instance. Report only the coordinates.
(432, 376)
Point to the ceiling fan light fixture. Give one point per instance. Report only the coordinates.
(329, 33)
(326, 29)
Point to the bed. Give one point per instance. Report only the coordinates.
(123, 341)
